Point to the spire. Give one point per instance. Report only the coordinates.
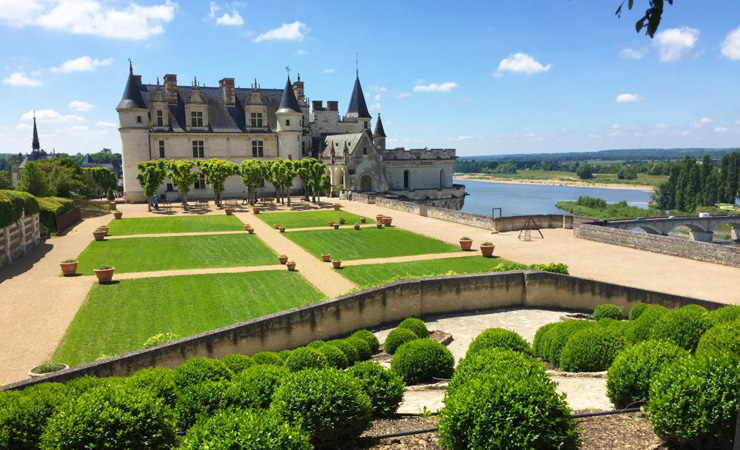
(131, 95)
(289, 101)
(357, 105)
(379, 131)
(35, 145)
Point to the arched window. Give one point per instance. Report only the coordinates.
(406, 179)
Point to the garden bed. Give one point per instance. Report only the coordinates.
(307, 219)
(185, 224)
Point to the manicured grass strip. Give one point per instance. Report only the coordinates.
(375, 274)
(120, 317)
(176, 252)
(367, 243)
(308, 219)
(161, 225)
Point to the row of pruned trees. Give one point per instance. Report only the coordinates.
(254, 173)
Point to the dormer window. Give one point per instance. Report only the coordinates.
(256, 120)
(196, 118)
(160, 118)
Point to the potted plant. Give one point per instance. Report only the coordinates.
(118, 214)
(250, 230)
(357, 225)
(247, 226)
(45, 368)
(291, 265)
(229, 211)
(336, 226)
(256, 210)
(337, 263)
(104, 274)
(465, 243)
(105, 229)
(363, 219)
(486, 249)
(379, 225)
(99, 234)
(69, 267)
(331, 223)
(277, 226)
(283, 259)
(387, 220)
(379, 218)
(326, 257)
(341, 220)
(337, 206)
(282, 229)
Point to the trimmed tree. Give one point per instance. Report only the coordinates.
(253, 173)
(151, 176)
(104, 179)
(216, 171)
(182, 176)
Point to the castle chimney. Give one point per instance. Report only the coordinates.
(170, 88)
(227, 90)
(317, 105)
(332, 105)
(298, 90)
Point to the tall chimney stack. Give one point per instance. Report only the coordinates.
(170, 88)
(227, 90)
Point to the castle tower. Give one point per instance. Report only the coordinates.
(289, 127)
(35, 145)
(357, 107)
(379, 135)
(134, 127)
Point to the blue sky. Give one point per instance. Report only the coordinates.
(483, 77)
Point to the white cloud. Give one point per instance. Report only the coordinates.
(461, 138)
(628, 98)
(731, 45)
(301, 52)
(51, 116)
(19, 79)
(701, 122)
(79, 105)
(436, 87)
(329, 70)
(379, 88)
(102, 124)
(661, 126)
(82, 64)
(234, 19)
(521, 63)
(403, 95)
(721, 130)
(295, 31)
(632, 53)
(675, 44)
(376, 105)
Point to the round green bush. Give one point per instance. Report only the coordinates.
(641, 328)
(684, 327)
(79, 386)
(397, 338)
(637, 310)
(727, 313)
(494, 360)
(246, 430)
(111, 417)
(620, 326)
(628, 378)
(608, 311)
(159, 339)
(198, 370)
(512, 406)
(348, 349)
(370, 338)
(723, 338)
(284, 354)
(198, 400)
(591, 350)
(422, 360)
(334, 356)
(24, 414)
(159, 381)
(327, 403)
(236, 362)
(498, 338)
(253, 387)
(542, 340)
(558, 335)
(384, 387)
(304, 358)
(364, 351)
(694, 402)
(416, 325)
(267, 358)
(316, 344)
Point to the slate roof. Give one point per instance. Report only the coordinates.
(288, 100)
(357, 103)
(379, 131)
(339, 141)
(132, 97)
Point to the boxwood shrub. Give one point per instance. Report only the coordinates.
(498, 338)
(316, 344)
(641, 328)
(267, 358)
(111, 417)
(494, 360)
(724, 314)
(284, 354)
(416, 325)
(158, 381)
(542, 340)
(348, 349)
(556, 336)
(694, 402)
(637, 310)
(364, 351)
(397, 338)
(384, 387)
(334, 356)
(369, 337)
(254, 386)
(249, 430)
(684, 327)
(422, 360)
(722, 338)
(236, 362)
(327, 403)
(591, 350)
(608, 310)
(620, 326)
(24, 414)
(198, 370)
(305, 358)
(13, 204)
(628, 378)
(198, 400)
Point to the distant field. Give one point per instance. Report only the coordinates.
(161, 225)
(176, 252)
(307, 219)
(350, 244)
(120, 317)
(599, 178)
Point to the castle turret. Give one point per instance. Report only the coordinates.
(357, 106)
(134, 127)
(379, 135)
(289, 128)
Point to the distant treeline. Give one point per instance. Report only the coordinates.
(611, 155)
(625, 170)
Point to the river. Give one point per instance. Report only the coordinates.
(529, 199)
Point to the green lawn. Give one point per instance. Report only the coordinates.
(158, 225)
(176, 252)
(120, 317)
(375, 274)
(306, 219)
(367, 243)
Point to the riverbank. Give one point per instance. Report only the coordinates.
(566, 183)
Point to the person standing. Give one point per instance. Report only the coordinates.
(244, 197)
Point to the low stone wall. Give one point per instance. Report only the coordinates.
(516, 223)
(18, 238)
(372, 308)
(667, 245)
(68, 219)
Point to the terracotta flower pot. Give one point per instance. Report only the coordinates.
(69, 269)
(331, 223)
(357, 227)
(387, 221)
(104, 229)
(229, 211)
(379, 225)
(379, 218)
(277, 226)
(337, 206)
(282, 229)
(291, 267)
(250, 230)
(36, 375)
(99, 235)
(466, 244)
(111, 206)
(283, 260)
(326, 257)
(118, 215)
(363, 219)
(487, 250)
(105, 276)
(256, 210)
(336, 264)
(336, 226)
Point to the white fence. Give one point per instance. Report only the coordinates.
(18, 238)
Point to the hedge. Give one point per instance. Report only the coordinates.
(684, 327)
(304, 358)
(198, 400)
(23, 415)
(384, 387)
(236, 362)
(198, 370)
(267, 358)
(254, 386)
(334, 356)
(422, 360)
(499, 338)
(640, 329)
(52, 207)
(723, 338)
(14, 204)
(637, 310)
(724, 314)
(591, 350)
(491, 361)
(553, 340)
(348, 349)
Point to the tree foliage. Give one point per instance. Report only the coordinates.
(253, 173)
(651, 20)
(216, 171)
(151, 176)
(180, 171)
(33, 180)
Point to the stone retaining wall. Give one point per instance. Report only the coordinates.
(667, 245)
(378, 306)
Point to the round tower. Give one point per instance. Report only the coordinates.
(134, 127)
(289, 126)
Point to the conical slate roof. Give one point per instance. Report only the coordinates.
(379, 131)
(357, 105)
(35, 145)
(131, 94)
(289, 101)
